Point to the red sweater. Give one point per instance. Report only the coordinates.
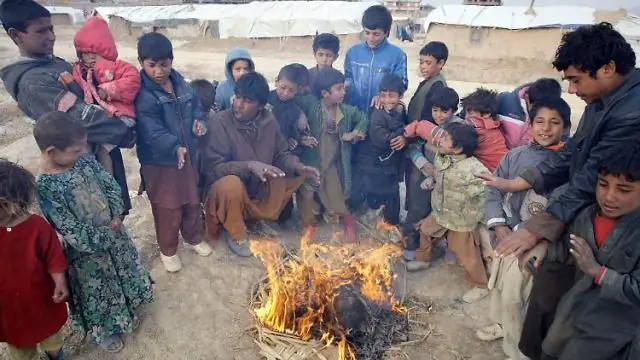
(29, 253)
(119, 79)
(491, 145)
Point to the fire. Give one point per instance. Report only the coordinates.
(302, 290)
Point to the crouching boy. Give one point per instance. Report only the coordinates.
(457, 202)
(598, 318)
(505, 212)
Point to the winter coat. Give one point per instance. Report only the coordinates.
(353, 120)
(43, 85)
(227, 88)
(364, 69)
(612, 120)
(165, 121)
(375, 155)
(503, 209)
(600, 321)
(421, 104)
(119, 79)
(512, 103)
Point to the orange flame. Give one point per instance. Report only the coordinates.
(301, 291)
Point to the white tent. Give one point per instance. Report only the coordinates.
(253, 20)
(70, 15)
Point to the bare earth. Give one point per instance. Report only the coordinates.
(201, 312)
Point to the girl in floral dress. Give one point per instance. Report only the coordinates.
(83, 202)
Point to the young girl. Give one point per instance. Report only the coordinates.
(32, 266)
(82, 201)
(106, 81)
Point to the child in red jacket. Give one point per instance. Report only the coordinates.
(106, 81)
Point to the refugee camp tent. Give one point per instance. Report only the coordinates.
(260, 19)
(65, 15)
(504, 32)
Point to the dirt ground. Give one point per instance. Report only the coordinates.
(201, 312)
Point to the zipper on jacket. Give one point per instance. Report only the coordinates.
(373, 57)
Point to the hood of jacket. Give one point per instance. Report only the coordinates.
(96, 37)
(12, 73)
(233, 55)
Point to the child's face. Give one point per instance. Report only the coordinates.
(429, 66)
(286, 89)
(547, 127)
(67, 158)
(389, 99)
(374, 37)
(440, 115)
(89, 59)
(335, 95)
(245, 109)
(239, 68)
(616, 195)
(445, 145)
(159, 71)
(325, 58)
(38, 40)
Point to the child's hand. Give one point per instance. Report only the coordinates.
(428, 184)
(584, 256)
(115, 223)
(310, 173)
(348, 137)
(427, 168)
(376, 103)
(359, 135)
(182, 153)
(199, 128)
(537, 254)
(398, 143)
(309, 141)
(293, 143)
(60, 291)
(102, 94)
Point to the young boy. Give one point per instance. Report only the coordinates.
(41, 82)
(514, 108)
(326, 48)
(366, 63)
(457, 202)
(381, 157)
(433, 57)
(237, 63)
(598, 318)
(206, 93)
(169, 123)
(337, 127)
(505, 212)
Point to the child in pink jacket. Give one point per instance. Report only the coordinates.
(106, 81)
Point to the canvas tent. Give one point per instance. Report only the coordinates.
(274, 19)
(65, 15)
(506, 32)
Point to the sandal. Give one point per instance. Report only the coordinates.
(238, 247)
(112, 345)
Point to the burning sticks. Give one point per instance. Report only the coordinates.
(336, 294)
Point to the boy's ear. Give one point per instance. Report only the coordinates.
(14, 34)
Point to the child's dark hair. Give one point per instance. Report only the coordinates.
(392, 82)
(296, 73)
(17, 14)
(57, 129)
(437, 49)
(17, 189)
(326, 41)
(154, 46)
(554, 103)
(377, 17)
(482, 100)
(590, 47)
(253, 86)
(622, 160)
(205, 91)
(544, 88)
(446, 99)
(325, 79)
(463, 136)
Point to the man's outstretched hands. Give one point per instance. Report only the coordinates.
(264, 171)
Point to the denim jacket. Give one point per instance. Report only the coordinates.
(165, 121)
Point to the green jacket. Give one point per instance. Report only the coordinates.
(353, 119)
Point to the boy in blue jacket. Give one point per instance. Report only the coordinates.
(366, 63)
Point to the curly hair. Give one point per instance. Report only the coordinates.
(17, 189)
(591, 47)
(482, 100)
(622, 160)
(463, 136)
